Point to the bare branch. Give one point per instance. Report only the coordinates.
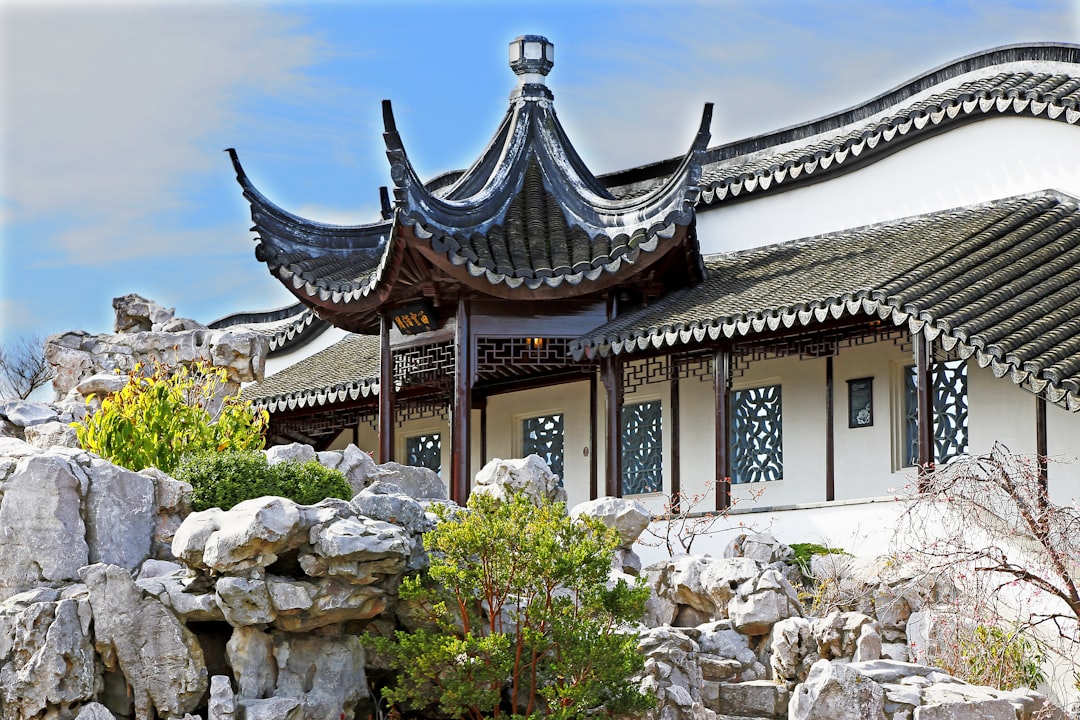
(23, 367)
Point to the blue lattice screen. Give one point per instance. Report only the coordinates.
(543, 436)
(757, 438)
(642, 448)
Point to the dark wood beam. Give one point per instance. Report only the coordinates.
(462, 408)
(1041, 451)
(722, 392)
(676, 458)
(386, 391)
(594, 406)
(611, 369)
(924, 384)
(830, 431)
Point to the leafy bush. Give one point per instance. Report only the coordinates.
(805, 552)
(990, 655)
(523, 619)
(224, 479)
(164, 413)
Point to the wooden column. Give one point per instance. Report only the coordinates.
(482, 406)
(676, 460)
(387, 406)
(722, 392)
(611, 368)
(462, 408)
(594, 406)
(1041, 451)
(924, 385)
(830, 457)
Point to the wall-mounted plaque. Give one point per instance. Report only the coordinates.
(860, 402)
(414, 318)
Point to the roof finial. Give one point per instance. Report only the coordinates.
(531, 58)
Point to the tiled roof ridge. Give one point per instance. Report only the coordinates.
(302, 325)
(1057, 381)
(320, 395)
(1033, 56)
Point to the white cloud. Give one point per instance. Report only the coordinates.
(106, 108)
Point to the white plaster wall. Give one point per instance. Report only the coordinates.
(1063, 449)
(995, 158)
(506, 412)
(998, 412)
(866, 459)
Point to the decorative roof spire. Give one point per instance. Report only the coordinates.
(531, 59)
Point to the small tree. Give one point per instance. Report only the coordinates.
(524, 621)
(986, 525)
(23, 368)
(680, 522)
(165, 413)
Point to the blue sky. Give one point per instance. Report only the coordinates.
(113, 116)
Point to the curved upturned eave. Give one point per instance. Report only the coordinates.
(630, 226)
(281, 226)
(532, 130)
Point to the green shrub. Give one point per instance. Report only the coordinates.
(1004, 658)
(164, 413)
(224, 479)
(523, 619)
(805, 552)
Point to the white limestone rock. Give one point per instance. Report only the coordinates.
(628, 517)
(244, 601)
(173, 500)
(759, 604)
(26, 413)
(868, 644)
(384, 501)
(101, 384)
(94, 711)
(762, 547)
(273, 708)
(135, 313)
(249, 535)
(222, 704)
(51, 434)
(836, 691)
(757, 698)
(160, 658)
(721, 578)
(356, 465)
(295, 452)
(672, 672)
(679, 581)
(44, 537)
(48, 662)
(974, 710)
(530, 476)
(719, 640)
(121, 511)
(417, 482)
(325, 674)
(837, 634)
(792, 650)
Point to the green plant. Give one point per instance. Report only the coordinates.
(524, 622)
(805, 552)
(224, 479)
(991, 655)
(164, 413)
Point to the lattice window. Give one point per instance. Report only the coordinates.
(642, 448)
(950, 389)
(757, 448)
(642, 372)
(424, 451)
(431, 364)
(543, 436)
